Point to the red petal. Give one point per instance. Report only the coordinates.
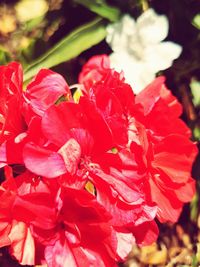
(125, 244)
(169, 206)
(150, 95)
(22, 244)
(71, 153)
(93, 70)
(60, 255)
(146, 233)
(173, 153)
(64, 116)
(46, 88)
(43, 162)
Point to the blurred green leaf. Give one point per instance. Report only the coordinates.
(195, 89)
(196, 133)
(198, 252)
(101, 8)
(31, 24)
(71, 46)
(194, 207)
(196, 21)
(4, 56)
(25, 52)
(194, 261)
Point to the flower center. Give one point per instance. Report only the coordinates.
(87, 165)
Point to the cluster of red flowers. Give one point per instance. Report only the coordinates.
(85, 177)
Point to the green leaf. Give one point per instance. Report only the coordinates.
(26, 51)
(71, 46)
(196, 21)
(194, 207)
(196, 133)
(101, 8)
(194, 261)
(4, 56)
(195, 89)
(198, 253)
(33, 23)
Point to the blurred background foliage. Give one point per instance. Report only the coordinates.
(64, 34)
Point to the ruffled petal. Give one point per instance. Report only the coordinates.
(118, 34)
(161, 56)
(152, 28)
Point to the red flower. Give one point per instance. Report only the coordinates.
(78, 151)
(100, 170)
(157, 137)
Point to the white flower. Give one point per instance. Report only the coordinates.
(138, 49)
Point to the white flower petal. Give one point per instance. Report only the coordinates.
(118, 34)
(135, 72)
(161, 56)
(128, 24)
(152, 28)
